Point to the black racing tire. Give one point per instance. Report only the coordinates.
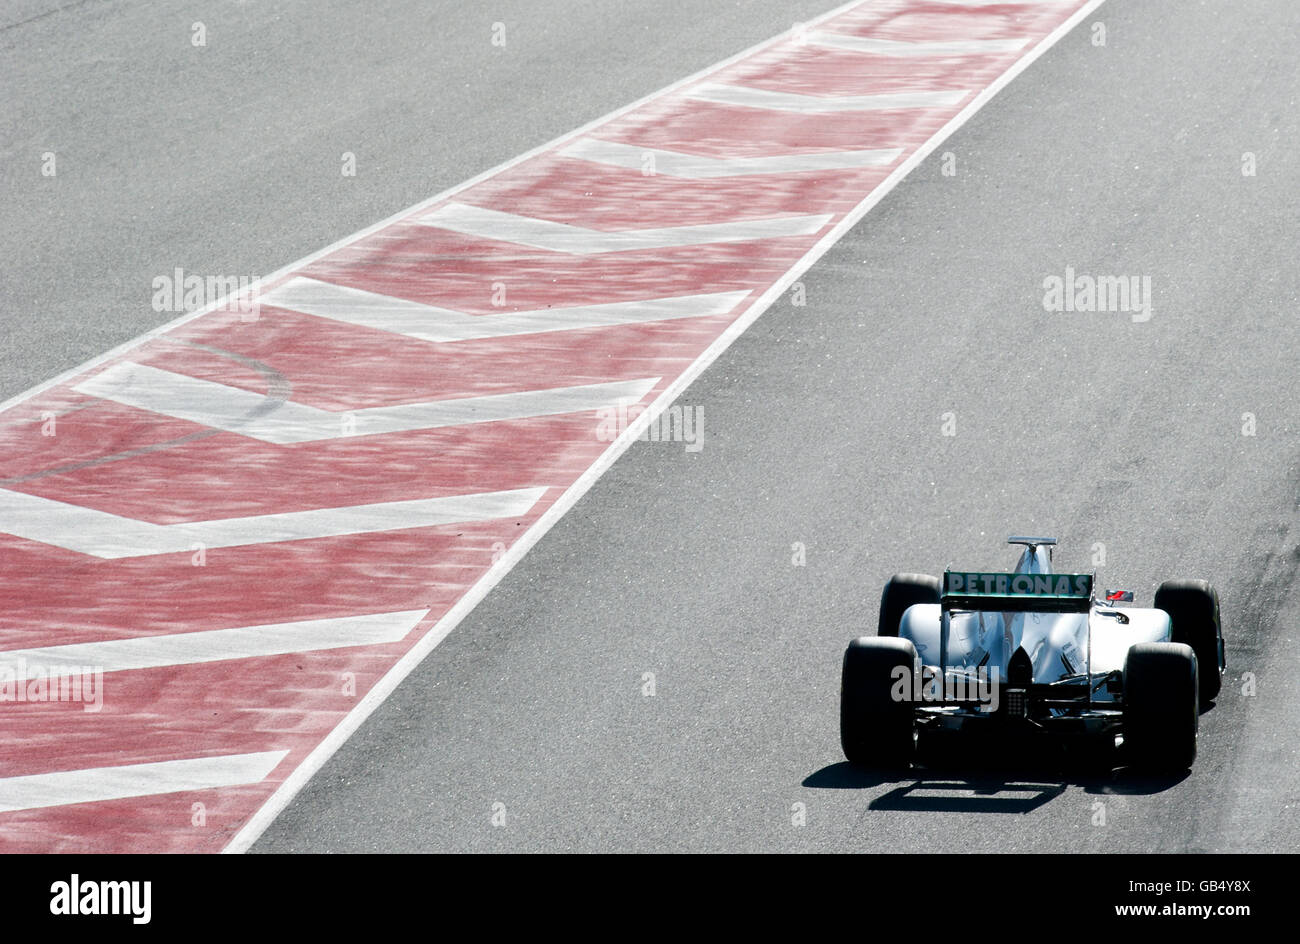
(877, 729)
(1161, 706)
(1193, 608)
(902, 591)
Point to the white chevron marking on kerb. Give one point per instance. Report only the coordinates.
(817, 104)
(109, 536)
(890, 47)
(676, 164)
(999, 3)
(212, 645)
(429, 323)
(96, 784)
(577, 240)
(246, 413)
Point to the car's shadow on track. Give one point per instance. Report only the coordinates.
(990, 784)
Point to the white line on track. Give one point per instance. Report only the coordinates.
(96, 784)
(108, 536)
(504, 227)
(244, 412)
(429, 323)
(213, 645)
(676, 164)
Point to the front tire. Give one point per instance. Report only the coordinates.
(877, 728)
(1161, 706)
(902, 591)
(1193, 608)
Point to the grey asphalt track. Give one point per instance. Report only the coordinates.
(823, 423)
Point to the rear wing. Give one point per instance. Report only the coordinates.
(1040, 593)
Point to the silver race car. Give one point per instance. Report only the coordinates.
(1032, 653)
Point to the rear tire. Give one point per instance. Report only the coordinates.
(877, 729)
(902, 591)
(1161, 706)
(1193, 608)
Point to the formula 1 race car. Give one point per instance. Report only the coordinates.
(1030, 653)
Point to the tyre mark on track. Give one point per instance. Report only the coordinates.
(278, 392)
